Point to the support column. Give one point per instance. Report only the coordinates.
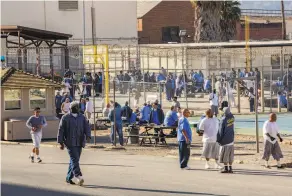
(37, 51)
(51, 63)
(24, 53)
(19, 57)
(67, 58)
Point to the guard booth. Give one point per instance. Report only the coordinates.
(21, 92)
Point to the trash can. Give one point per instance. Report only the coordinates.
(134, 134)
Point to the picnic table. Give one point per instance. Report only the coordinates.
(156, 137)
(103, 123)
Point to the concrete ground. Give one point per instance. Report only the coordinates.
(122, 173)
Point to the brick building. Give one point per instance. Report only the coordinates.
(260, 30)
(160, 22)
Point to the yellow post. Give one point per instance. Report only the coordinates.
(106, 77)
(247, 52)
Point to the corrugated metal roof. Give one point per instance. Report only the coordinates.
(144, 6)
(15, 78)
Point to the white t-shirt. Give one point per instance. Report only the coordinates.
(66, 107)
(210, 127)
(89, 107)
(272, 129)
(250, 95)
(213, 99)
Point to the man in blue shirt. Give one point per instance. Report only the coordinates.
(127, 112)
(58, 104)
(157, 117)
(171, 119)
(282, 100)
(116, 113)
(73, 133)
(133, 119)
(145, 114)
(184, 138)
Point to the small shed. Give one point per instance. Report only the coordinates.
(21, 92)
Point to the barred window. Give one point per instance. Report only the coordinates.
(68, 5)
(37, 98)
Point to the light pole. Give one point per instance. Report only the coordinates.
(182, 34)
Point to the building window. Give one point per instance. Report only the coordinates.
(170, 34)
(37, 98)
(288, 60)
(275, 61)
(12, 99)
(68, 5)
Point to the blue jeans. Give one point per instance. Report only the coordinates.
(184, 154)
(74, 168)
(119, 130)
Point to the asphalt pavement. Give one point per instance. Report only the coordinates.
(124, 174)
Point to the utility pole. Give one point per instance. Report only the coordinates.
(283, 20)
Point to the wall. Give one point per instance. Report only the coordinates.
(25, 111)
(114, 19)
(260, 31)
(166, 13)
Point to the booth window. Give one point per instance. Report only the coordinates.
(37, 98)
(68, 5)
(12, 99)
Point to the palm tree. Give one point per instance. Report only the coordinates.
(207, 21)
(215, 21)
(230, 15)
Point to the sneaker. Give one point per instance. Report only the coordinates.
(80, 180)
(207, 165)
(186, 168)
(224, 171)
(218, 166)
(70, 182)
(39, 160)
(31, 159)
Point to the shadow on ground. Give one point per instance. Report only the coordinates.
(13, 189)
(254, 172)
(91, 164)
(150, 190)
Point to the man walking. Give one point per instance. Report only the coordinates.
(58, 104)
(73, 133)
(35, 123)
(184, 137)
(115, 117)
(271, 145)
(213, 98)
(225, 138)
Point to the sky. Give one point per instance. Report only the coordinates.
(268, 5)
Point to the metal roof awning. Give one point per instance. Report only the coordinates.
(35, 36)
(32, 33)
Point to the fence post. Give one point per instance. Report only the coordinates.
(271, 79)
(213, 81)
(114, 127)
(160, 94)
(129, 89)
(262, 90)
(238, 94)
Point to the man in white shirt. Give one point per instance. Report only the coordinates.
(213, 98)
(271, 145)
(209, 127)
(88, 109)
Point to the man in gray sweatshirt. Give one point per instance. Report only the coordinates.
(35, 123)
(225, 138)
(73, 133)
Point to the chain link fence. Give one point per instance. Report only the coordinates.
(198, 71)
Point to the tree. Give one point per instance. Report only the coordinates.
(230, 15)
(207, 21)
(215, 21)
